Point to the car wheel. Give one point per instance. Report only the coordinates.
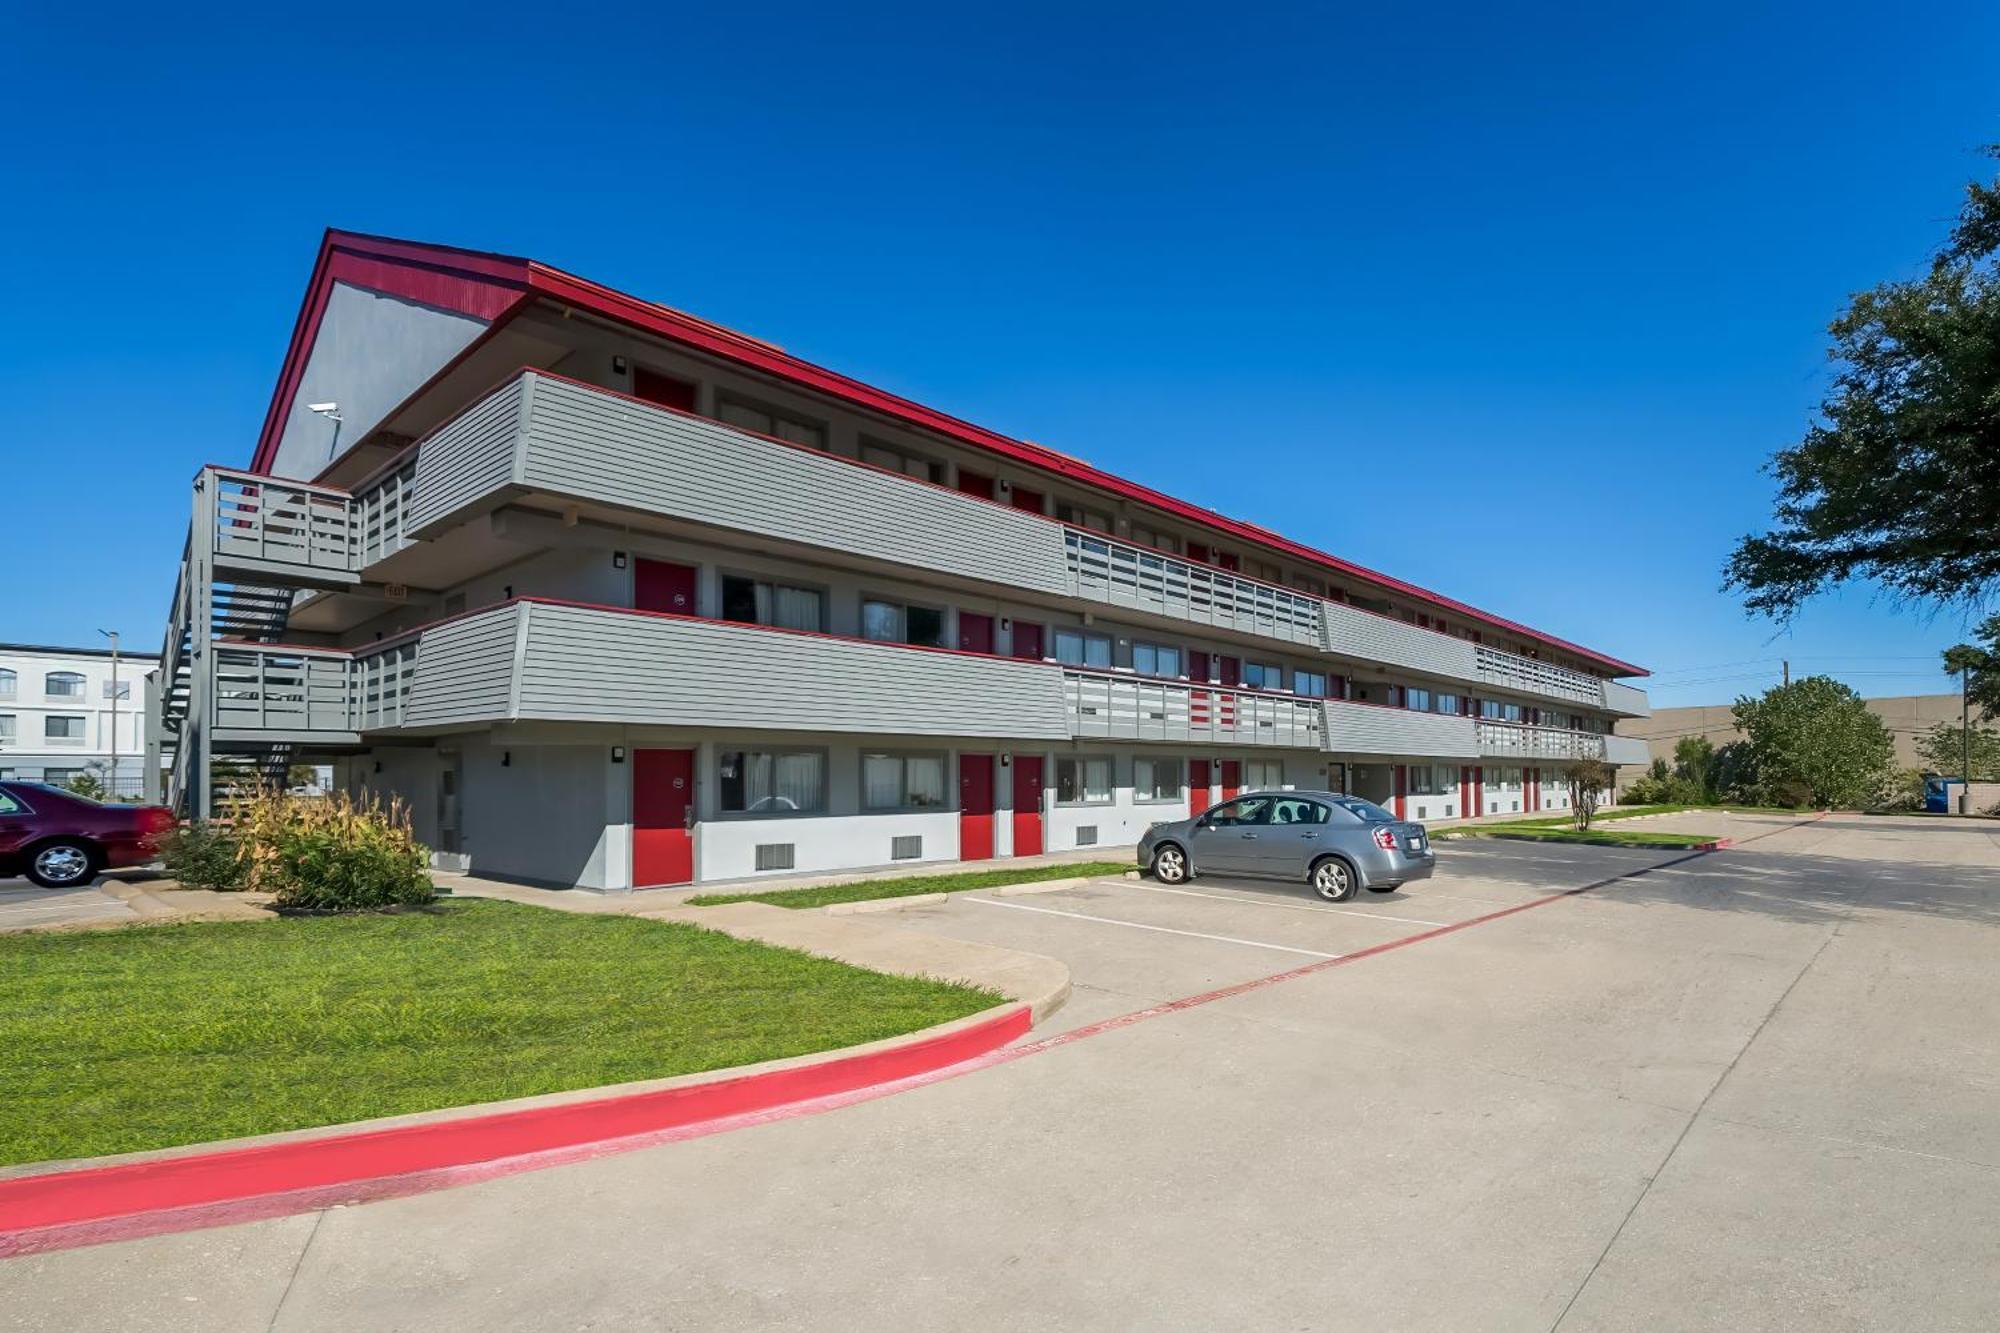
(62, 864)
(1333, 880)
(1170, 865)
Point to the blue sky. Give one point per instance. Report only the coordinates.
(1511, 305)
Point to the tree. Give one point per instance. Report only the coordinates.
(1694, 764)
(1942, 748)
(1588, 780)
(1981, 665)
(89, 783)
(1815, 741)
(1899, 481)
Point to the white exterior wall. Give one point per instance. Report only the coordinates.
(29, 755)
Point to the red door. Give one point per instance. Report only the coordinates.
(662, 389)
(1227, 560)
(1232, 778)
(1198, 780)
(660, 586)
(1027, 805)
(1028, 640)
(975, 483)
(662, 817)
(1024, 498)
(975, 633)
(975, 807)
(1232, 670)
(1197, 666)
(1197, 553)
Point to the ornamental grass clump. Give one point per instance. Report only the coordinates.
(332, 853)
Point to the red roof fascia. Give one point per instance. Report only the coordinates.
(470, 282)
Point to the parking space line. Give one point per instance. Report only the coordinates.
(1164, 930)
(1290, 907)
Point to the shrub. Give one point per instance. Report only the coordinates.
(1904, 791)
(202, 856)
(333, 853)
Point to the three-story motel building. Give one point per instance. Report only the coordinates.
(613, 597)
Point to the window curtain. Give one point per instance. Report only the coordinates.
(882, 781)
(792, 608)
(926, 780)
(799, 780)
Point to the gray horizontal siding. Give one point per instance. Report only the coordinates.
(608, 666)
(596, 446)
(1379, 639)
(464, 671)
(1366, 729)
(467, 458)
(1626, 750)
(1626, 701)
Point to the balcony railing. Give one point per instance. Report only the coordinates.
(284, 523)
(1517, 740)
(379, 505)
(280, 690)
(1130, 708)
(1527, 675)
(380, 683)
(1103, 570)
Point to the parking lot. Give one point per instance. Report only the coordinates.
(1555, 1086)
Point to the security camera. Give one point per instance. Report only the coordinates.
(322, 407)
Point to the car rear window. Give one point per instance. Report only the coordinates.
(1367, 810)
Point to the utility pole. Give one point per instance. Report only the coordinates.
(1788, 669)
(112, 635)
(1964, 740)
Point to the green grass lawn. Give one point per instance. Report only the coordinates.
(1634, 811)
(1568, 833)
(1559, 827)
(903, 888)
(112, 1041)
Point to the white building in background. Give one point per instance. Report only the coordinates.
(61, 715)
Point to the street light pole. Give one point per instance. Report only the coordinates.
(1964, 741)
(112, 635)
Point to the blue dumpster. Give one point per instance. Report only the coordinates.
(1941, 794)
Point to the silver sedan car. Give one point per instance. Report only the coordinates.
(1337, 844)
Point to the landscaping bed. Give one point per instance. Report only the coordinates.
(954, 882)
(148, 1037)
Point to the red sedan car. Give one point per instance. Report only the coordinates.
(59, 839)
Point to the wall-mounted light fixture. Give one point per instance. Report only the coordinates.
(507, 593)
(378, 765)
(1006, 759)
(506, 759)
(617, 754)
(618, 560)
(1006, 624)
(618, 366)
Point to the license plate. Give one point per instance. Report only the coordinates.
(1417, 843)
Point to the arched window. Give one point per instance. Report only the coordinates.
(63, 685)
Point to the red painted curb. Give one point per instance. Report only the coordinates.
(48, 1211)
